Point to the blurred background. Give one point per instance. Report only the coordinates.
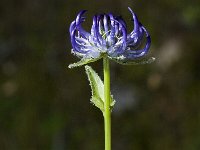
(45, 106)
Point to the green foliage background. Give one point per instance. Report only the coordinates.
(45, 106)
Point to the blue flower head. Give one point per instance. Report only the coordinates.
(108, 38)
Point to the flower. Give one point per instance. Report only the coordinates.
(108, 37)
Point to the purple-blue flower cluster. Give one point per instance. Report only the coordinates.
(109, 37)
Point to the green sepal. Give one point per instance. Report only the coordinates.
(83, 61)
(97, 88)
(133, 62)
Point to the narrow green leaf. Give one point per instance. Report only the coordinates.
(82, 62)
(138, 62)
(112, 102)
(97, 88)
(95, 82)
(97, 102)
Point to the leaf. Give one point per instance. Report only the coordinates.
(82, 62)
(131, 62)
(97, 88)
(97, 102)
(112, 101)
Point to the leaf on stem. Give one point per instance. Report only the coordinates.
(97, 88)
(82, 62)
(134, 62)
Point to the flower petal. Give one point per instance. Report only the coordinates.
(76, 46)
(135, 21)
(132, 54)
(79, 20)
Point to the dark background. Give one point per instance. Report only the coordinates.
(45, 106)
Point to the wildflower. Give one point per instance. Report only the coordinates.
(108, 38)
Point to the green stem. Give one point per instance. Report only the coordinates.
(107, 112)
